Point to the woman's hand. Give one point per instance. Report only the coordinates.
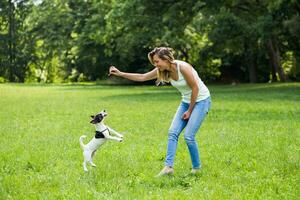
(114, 71)
(186, 115)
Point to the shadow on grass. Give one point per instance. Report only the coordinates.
(240, 92)
(256, 92)
(117, 87)
(288, 92)
(259, 88)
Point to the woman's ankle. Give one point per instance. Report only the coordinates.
(168, 167)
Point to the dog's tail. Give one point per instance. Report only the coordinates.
(81, 141)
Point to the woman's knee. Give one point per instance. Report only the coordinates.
(189, 138)
(173, 134)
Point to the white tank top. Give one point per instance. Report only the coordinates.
(184, 88)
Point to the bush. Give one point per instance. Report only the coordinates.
(2, 79)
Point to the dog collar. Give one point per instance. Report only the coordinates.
(99, 134)
(103, 130)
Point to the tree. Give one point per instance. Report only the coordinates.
(16, 43)
(252, 29)
(73, 40)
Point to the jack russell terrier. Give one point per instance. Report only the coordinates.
(103, 133)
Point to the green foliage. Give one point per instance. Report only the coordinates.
(44, 41)
(249, 143)
(2, 79)
(243, 29)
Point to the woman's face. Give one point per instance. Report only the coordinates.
(160, 64)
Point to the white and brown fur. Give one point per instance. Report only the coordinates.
(103, 133)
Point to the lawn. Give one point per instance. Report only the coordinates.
(249, 143)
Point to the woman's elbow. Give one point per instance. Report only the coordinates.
(195, 89)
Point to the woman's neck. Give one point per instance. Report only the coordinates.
(173, 71)
(173, 68)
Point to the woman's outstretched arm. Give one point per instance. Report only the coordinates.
(134, 76)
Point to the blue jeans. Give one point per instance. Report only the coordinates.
(191, 126)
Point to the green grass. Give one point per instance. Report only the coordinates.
(249, 143)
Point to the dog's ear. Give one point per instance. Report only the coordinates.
(100, 118)
(93, 119)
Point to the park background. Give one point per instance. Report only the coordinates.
(54, 60)
(77, 40)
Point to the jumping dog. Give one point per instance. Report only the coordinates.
(103, 133)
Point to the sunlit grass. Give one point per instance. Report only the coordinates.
(249, 143)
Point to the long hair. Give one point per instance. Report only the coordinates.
(164, 53)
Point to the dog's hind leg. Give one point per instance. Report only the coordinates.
(84, 166)
(92, 163)
(87, 158)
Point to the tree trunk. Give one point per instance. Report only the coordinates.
(252, 69)
(295, 71)
(11, 42)
(273, 71)
(274, 56)
(10, 32)
(250, 59)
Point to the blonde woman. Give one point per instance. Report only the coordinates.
(192, 109)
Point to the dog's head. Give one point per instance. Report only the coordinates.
(98, 117)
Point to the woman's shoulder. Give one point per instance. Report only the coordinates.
(183, 66)
(183, 63)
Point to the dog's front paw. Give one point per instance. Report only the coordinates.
(120, 140)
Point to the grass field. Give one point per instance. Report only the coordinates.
(249, 143)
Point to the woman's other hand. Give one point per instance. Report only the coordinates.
(186, 115)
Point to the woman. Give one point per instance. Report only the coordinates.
(191, 111)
